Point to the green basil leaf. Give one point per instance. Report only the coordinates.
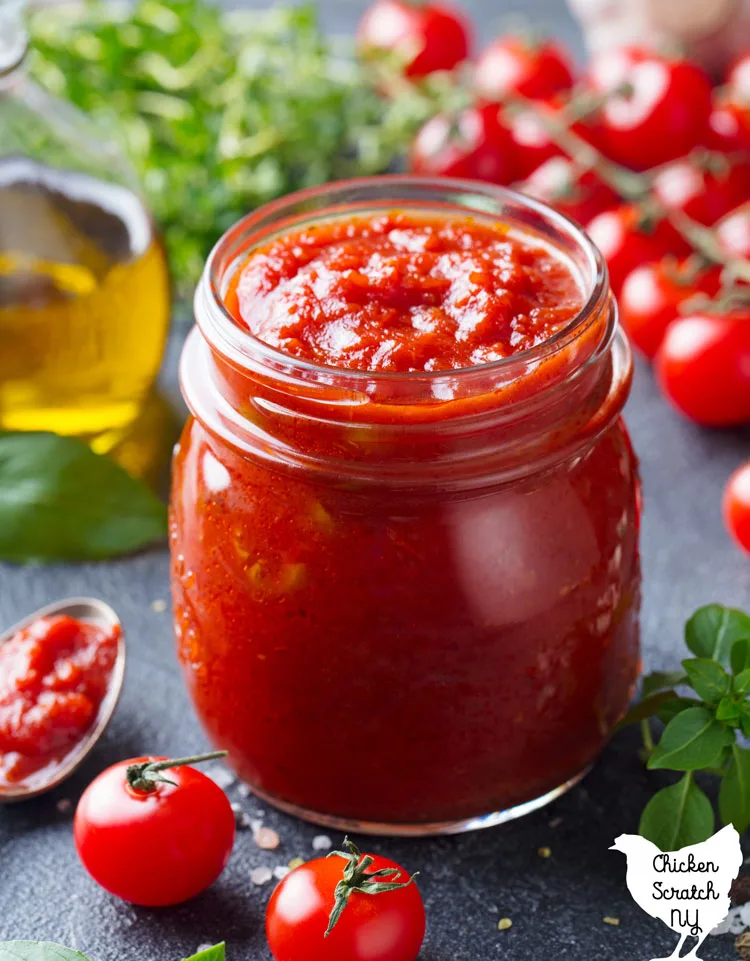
(713, 629)
(659, 680)
(60, 501)
(739, 656)
(734, 793)
(742, 681)
(728, 710)
(708, 678)
(674, 706)
(38, 951)
(692, 740)
(215, 953)
(677, 815)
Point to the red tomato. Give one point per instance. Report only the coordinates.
(580, 196)
(425, 36)
(663, 111)
(736, 506)
(386, 926)
(627, 240)
(738, 76)
(473, 144)
(729, 124)
(734, 232)
(531, 141)
(156, 847)
(703, 367)
(651, 296)
(703, 194)
(515, 65)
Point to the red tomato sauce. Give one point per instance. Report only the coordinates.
(422, 650)
(398, 292)
(54, 676)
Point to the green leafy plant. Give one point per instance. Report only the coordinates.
(223, 111)
(49, 951)
(61, 501)
(705, 708)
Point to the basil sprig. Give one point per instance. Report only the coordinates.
(701, 730)
(60, 501)
(49, 951)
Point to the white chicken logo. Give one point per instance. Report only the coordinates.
(687, 889)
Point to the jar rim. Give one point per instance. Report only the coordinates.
(243, 348)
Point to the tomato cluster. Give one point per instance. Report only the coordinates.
(644, 151)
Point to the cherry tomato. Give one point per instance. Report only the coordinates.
(516, 65)
(738, 76)
(424, 36)
(661, 111)
(154, 846)
(703, 193)
(532, 144)
(580, 196)
(733, 232)
(472, 144)
(627, 239)
(386, 926)
(736, 506)
(729, 124)
(703, 367)
(651, 296)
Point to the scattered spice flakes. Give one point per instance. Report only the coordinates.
(321, 842)
(158, 606)
(742, 946)
(544, 853)
(504, 923)
(615, 922)
(260, 876)
(296, 863)
(266, 838)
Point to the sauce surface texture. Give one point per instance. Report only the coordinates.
(401, 292)
(54, 676)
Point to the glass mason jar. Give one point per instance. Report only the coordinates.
(407, 603)
(84, 291)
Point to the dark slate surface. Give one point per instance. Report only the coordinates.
(556, 904)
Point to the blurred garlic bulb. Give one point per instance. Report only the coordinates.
(712, 32)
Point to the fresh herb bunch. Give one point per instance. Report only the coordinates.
(221, 112)
(49, 951)
(706, 712)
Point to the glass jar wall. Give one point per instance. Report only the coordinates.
(407, 603)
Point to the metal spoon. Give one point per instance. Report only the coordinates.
(93, 610)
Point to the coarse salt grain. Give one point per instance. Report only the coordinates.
(281, 871)
(241, 819)
(266, 838)
(158, 606)
(243, 790)
(221, 776)
(260, 876)
(555, 823)
(64, 805)
(321, 842)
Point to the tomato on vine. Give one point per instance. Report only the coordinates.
(703, 367)
(154, 832)
(515, 64)
(346, 907)
(655, 108)
(738, 76)
(736, 506)
(733, 232)
(729, 124)
(706, 190)
(420, 37)
(578, 195)
(629, 236)
(472, 144)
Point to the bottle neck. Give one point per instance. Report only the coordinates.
(13, 35)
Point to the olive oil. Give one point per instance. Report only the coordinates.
(84, 302)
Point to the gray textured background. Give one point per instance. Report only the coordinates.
(556, 904)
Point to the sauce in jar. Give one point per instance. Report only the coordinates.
(54, 676)
(405, 512)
